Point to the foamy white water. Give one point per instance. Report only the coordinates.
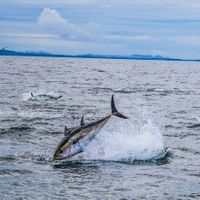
(124, 140)
(37, 95)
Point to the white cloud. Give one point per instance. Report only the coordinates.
(153, 2)
(122, 38)
(49, 2)
(27, 35)
(187, 41)
(191, 3)
(168, 27)
(51, 21)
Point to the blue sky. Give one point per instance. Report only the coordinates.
(157, 27)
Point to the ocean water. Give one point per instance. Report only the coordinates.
(160, 98)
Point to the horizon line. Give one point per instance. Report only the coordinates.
(7, 52)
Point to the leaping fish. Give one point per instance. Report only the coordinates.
(77, 138)
(43, 97)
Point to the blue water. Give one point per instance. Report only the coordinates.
(160, 98)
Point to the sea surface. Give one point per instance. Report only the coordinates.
(155, 154)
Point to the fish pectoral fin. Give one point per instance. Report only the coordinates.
(82, 121)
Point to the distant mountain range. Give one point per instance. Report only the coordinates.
(6, 52)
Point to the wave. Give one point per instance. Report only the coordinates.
(126, 140)
(13, 129)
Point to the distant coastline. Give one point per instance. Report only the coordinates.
(6, 52)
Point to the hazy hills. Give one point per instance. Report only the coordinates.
(6, 52)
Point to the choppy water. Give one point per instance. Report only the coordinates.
(160, 98)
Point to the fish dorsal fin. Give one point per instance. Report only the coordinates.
(66, 131)
(31, 94)
(82, 121)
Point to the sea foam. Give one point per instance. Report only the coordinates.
(125, 140)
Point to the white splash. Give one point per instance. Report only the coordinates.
(198, 118)
(38, 95)
(125, 140)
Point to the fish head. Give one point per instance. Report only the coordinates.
(77, 140)
(64, 150)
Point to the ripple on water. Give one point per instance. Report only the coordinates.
(14, 172)
(29, 131)
(16, 129)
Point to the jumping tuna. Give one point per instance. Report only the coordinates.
(77, 138)
(43, 97)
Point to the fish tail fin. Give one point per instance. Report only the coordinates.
(114, 109)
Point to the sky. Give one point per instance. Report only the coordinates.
(119, 27)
